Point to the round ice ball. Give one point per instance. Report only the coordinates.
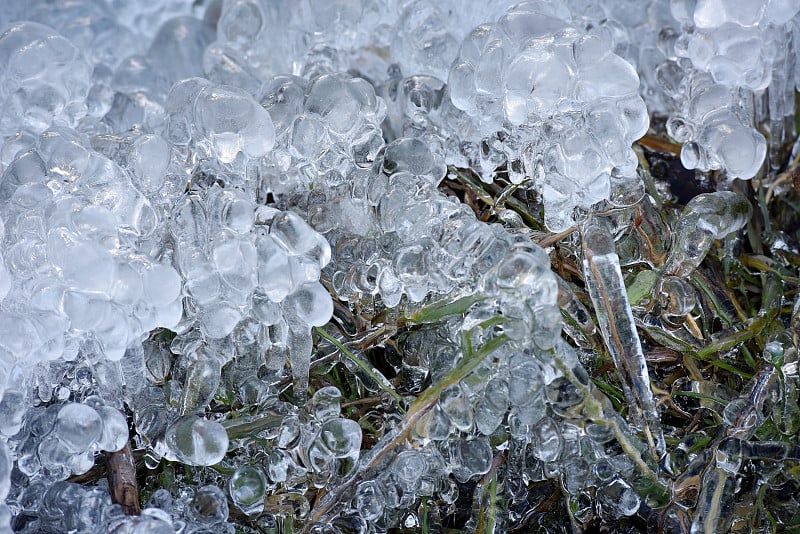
(78, 426)
(197, 441)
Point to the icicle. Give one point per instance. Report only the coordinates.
(607, 289)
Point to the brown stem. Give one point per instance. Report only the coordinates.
(121, 472)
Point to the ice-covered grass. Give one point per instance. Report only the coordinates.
(359, 265)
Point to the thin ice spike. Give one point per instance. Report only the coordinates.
(607, 290)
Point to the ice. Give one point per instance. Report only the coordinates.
(533, 71)
(434, 425)
(201, 372)
(210, 505)
(614, 316)
(342, 437)
(707, 217)
(247, 488)
(546, 440)
(188, 189)
(225, 121)
(12, 412)
(407, 467)
(335, 449)
(279, 466)
(78, 427)
(413, 156)
(6, 464)
(197, 441)
(369, 500)
(45, 78)
(326, 403)
(490, 409)
(115, 429)
(423, 42)
(620, 499)
(176, 51)
(525, 386)
(475, 458)
(455, 403)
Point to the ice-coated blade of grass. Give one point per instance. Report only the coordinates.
(606, 287)
(326, 508)
(370, 371)
(742, 417)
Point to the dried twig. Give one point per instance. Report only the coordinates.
(121, 473)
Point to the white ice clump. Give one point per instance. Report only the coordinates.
(734, 49)
(551, 102)
(45, 78)
(72, 219)
(707, 64)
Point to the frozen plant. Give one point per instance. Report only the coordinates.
(359, 265)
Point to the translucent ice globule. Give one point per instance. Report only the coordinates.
(554, 103)
(217, 121)
(45, 78)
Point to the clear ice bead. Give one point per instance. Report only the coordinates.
(325, 403)
(78, 427)
(209, 505)
(247, 488)
(196, 441)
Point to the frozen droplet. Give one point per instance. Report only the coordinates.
(312, 304)
(434, 425)
(46, 78)
(202, 370)
(209, 505)
(341, 436)
(115, 429)
(280, 465)
(618, 499)
(13, 407)
(455, 403)
(247, 488)
(492, 407)
(546, 443)
(475, 456)
(196, 441)
(161, 285)
(289, 433)
(149, 161)
(369, 500)
(325, 403)
(78, 426)
(407, 467)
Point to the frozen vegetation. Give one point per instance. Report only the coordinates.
(348, 266)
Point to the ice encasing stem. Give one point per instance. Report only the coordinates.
(606, 288)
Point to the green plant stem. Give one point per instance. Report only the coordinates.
(594, 410)
(245, 426)
(324, 510)
(369, 371)
(436, 311)
(485, 193)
